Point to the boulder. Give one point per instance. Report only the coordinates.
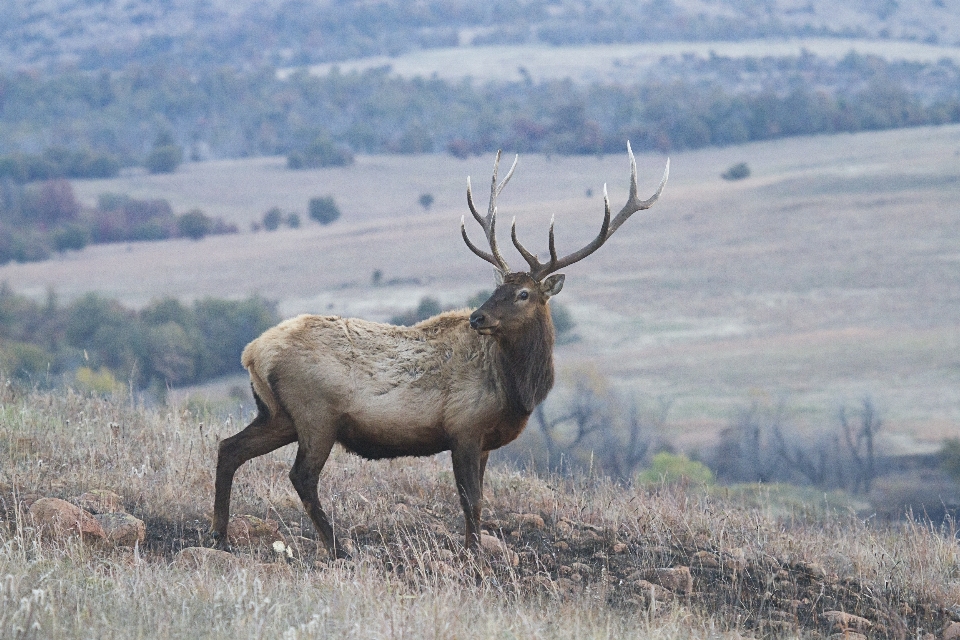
(100, 501)
(122, 528)
(676, 579)
(58, 518)
(497, 549)
(842, 621)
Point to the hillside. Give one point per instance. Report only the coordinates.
(57, 33)
(827, 275)
(565, 557)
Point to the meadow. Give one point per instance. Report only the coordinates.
(830, 274)
(569, 557)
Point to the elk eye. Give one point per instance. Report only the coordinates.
(523, 295)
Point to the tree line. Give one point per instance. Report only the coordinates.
(167, 343)
(38, 219)
(316, 120)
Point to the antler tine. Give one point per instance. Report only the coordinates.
(634, 203)
(489, 222)
(539, 270)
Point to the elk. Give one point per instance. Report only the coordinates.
(461, 382)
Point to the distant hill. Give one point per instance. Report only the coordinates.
(93, 35)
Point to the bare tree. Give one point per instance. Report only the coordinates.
(860, 440)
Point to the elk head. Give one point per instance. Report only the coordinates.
(520, 297)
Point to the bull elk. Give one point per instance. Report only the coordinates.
(459, 381)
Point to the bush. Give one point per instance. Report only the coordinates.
(324, 209)
(194, 224)
(70, 237)
(738, 171)
(427, 308)
(322, 152)
(272, 218)
(164, 159)
(950, 458)
(293, 220)
(426, 200)
(671, 468)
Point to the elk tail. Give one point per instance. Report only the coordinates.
(258, 380)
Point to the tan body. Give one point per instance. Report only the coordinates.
(384, 391)
(460, 381)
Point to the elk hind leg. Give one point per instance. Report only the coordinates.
(265, 434)
(305, 475)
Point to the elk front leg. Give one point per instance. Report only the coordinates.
(468, 466)
(261, 436)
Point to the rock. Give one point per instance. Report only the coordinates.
(58, 518)
(100, 501)
(677, 579)
(952, 632)
(529, 521)
(497, 549)
(580, 567)
(705, 560)
(200, 557)
(561, 546)
(847, 635)
(842, 621)
(246, 529)
(620, 547)
(122, 528)
(652, 592)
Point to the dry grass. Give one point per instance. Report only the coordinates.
(829, 274)
(779, 568)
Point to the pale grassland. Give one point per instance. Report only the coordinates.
(831, 273)
(621, 63)
(403, 516)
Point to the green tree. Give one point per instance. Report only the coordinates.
(194, 224)
(272, 219)
(324, 209)
(165, 156)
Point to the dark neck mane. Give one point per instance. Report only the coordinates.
(526, 362)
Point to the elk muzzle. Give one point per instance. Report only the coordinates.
(482, 323)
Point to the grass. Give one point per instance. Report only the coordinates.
(829, 274)
(783, 560)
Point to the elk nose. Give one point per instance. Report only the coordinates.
(477, 319)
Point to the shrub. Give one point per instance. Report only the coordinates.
(950, 458)
(426, 200)
(101, 382)
(322, 152)
(71, 236)
(427, 308)
(324, 209)
(671, 468)
(293, 220)
(194, 224)
(738, 171)
(272, 218)
(164, 159)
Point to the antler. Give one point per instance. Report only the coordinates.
(540, 270)
(489, 222)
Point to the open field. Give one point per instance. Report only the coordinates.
(617, 62)
(566, 558)
(832, 272)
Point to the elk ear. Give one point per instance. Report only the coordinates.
(552, 285)
(498, 277)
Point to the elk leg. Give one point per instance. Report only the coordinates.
(261, 436)
(468, 466)
(305, 475)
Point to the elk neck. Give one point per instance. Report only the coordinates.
(526, 363)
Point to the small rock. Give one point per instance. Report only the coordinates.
(122, 528)
(649, 591)
(496, 548)
(705, 560)
(843, 621)
(580, 567)
(952, 632)
(200, 557)
(620, 547)
(246, 529)
(58, 518)
(847, 635)
(100, 501)
(676, 579)
(347, 546)
(530, 520)
(561, 546)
